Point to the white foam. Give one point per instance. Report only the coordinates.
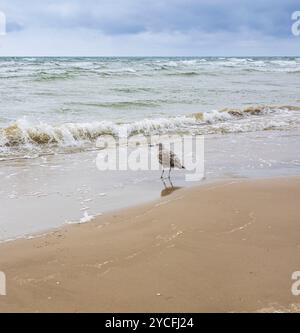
(86, 218)
(30, 138)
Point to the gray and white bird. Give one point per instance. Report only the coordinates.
(168, 160)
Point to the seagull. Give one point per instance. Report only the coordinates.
(168, 160)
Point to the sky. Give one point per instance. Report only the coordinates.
(149, 28)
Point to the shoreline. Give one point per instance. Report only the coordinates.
(36, 186)
(164, 193)
(220, 247)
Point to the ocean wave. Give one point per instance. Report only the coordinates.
(23, 132)
(53, 76)
(130, 90)
(190, 73)
(123, 104)
(62, 69)
(26, 135)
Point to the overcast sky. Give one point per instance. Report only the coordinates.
(149, 27)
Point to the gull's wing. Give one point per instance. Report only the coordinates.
(175, 161)
(164, 158)
(169, 159)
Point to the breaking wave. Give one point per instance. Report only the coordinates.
(23, 135)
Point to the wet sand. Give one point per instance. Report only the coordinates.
(222, 247)
(37, 185)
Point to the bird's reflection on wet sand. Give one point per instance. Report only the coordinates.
(168, 188)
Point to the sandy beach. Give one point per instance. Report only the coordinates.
(223, 247)
(148, 158)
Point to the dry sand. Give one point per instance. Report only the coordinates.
(221, 247)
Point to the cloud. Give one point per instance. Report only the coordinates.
(189, 27)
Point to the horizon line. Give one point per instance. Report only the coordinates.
(148, 56)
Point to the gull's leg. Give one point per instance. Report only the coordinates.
(162, 175)
(170, 172)
(165, 185)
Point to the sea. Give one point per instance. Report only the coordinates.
(54, 110)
